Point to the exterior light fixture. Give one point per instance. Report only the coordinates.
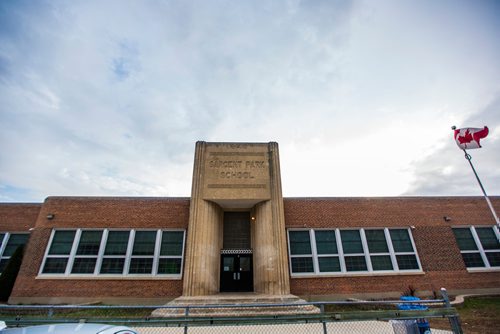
(50, 216)
(446, 218)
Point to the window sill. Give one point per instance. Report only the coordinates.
(483, 270)
(111, 277)
(359, 274)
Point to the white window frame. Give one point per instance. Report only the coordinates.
(317, 256)
(125, 257)
(366, 253)
(100, 256)
(482, 252)
(159, 257)
(313, 254)
(5, 241)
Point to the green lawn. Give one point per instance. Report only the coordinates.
(478, 315)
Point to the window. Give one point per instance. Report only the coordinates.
(479, 246)
(300, 251)
(352, 245)
(8, 245)
(379, 250)
(143, 252)
(328, 255)
(171, 252)
(351, 250)
(114, 252)
(86, 252)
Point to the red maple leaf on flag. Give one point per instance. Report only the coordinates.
(466, 138)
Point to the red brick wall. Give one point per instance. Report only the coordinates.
(440, 257)
(436, 247)
(82, 212)
(18, 217)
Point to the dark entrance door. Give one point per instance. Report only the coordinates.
(236, 273)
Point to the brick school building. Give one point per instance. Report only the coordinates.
(236, 234)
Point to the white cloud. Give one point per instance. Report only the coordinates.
(108, 98)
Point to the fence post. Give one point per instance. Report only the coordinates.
(322, 308)
(186, 314)
(455, 319)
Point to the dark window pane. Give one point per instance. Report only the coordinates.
(3, 263)
(117, 243)
(325, 242)
(245, 263)
(473, 260)
(381, 262)
(488, 238)
(401, 240)
(171, 243)
(355, 263)
(302, 265)
(329, 264)
(83, 266)
(144, 243)
(351, 241)
(169, 266)
(15, 240)
(55, 265)
(464, 239)
(89, 243)
(2, 236)
(407, 262)
(300, 244)
(376, 241)
(493, 258)
(228, 263)
(62, 242)
(112, 266)
(141, 266)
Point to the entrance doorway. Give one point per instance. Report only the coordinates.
(236, 273)
(236, 268)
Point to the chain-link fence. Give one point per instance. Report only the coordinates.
(394, 316)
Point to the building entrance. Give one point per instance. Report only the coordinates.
(236, 256)
(236, 273)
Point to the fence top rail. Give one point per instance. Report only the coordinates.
(356, 302)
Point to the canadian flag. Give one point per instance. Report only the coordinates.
(468, 138)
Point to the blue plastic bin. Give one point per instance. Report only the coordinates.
(423, 324)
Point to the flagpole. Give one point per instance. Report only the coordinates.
(469, 159)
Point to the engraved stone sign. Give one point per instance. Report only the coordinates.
(236, 171)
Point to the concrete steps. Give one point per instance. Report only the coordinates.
(234, 305)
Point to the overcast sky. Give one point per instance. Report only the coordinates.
(107, 98)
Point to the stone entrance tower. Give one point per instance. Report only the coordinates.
(244, 178)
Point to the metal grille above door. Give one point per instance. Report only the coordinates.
(236, 230)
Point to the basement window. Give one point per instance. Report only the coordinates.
(479, 246)
(114, 253)
(350, 251)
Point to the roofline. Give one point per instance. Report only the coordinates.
(129, 198)
(387, 197)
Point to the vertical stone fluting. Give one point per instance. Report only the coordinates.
(270, 252)
(202, 251)
(278, 214)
